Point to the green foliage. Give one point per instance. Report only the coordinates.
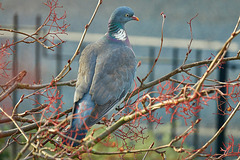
(6, 153)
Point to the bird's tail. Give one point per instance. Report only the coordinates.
(79, 124)
(76, 134)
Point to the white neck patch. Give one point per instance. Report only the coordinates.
(120, 35)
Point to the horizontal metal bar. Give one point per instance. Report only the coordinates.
(142, 41)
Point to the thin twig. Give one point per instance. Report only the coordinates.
(29, 143)
(160, 50)
(63, 72)
(148, 151)
(194, 155)
(134, 115)
(16, 79)
(30, 127)
(70, 83)
(174, 72)
(218, 58)
(15, 123)
(169, 145)
(236, 27)
(18, 85)
(18, 117)
(6, 145)
(238, 158)
(23, 40)
(190, 43)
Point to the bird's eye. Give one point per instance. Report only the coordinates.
(126, 15)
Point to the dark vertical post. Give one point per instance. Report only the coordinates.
(37, 61)
(174, 65)
(14, 73)
(59, 68)
(59, 59)
(44, 50)
(221, 108)
(151, 62)
(198, 73)
(151, 76)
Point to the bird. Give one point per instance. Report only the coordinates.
(106, 72)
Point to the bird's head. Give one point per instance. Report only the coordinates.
(122, 15)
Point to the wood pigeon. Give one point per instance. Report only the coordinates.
(106, 71)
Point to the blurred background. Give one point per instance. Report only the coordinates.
(211, 28)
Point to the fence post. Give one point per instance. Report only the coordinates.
(58, 70)
(174, 66)
(196, 133)
(151, 76)
(14, 73)
(37, 62)
(221, 109)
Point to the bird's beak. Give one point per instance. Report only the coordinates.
(135, 18)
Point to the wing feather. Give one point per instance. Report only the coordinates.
(106, 73)
(112, 79)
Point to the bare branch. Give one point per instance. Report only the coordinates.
(134, 115)
(174, 72)
(160, 50)
(32, 126)
(16, 79)
(219, 57)
(194, 155)
(63, 72)
(190, 43)
(23, 40)
(15, 123)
